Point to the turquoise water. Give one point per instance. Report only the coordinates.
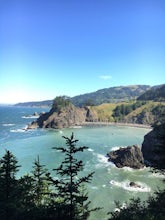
(109, 183)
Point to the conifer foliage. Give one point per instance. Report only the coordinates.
(8, 185)
(38, 196)
(70, 186)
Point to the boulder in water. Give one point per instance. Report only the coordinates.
(133, 184)
(130, 156)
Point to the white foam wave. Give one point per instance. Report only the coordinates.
(18, 130)
(157, 175)
(91, 150)
(142, 187)
(131, 169)
(6, 125)
(102, 159)
(31, 116)
(128, 169)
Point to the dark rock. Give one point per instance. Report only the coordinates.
(64, 117)
(33, 125)
(35, 114)
(135, 185)
(130, 157)
(153, 147)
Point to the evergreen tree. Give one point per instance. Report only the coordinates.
(59, 102)
(8, 186)
(72, 199)
(35, 194)
(26, 202)
(152, 209)
(40, 184)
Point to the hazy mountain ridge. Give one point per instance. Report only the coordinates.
(46, 103)
(107, 95)
(110, 95)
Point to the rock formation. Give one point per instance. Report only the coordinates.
(64, 117)
(153, 147)
(130, 156)
(135, 185)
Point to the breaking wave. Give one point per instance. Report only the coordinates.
(89, 149)
(6, 125)
(17, 130)
(31, 116)
(141, 187)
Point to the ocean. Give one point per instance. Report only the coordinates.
(109, 183)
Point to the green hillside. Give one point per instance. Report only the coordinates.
(131, 112)
(110, 95)
(105, 111)
(156, 93)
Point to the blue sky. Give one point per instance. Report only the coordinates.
(71, 47)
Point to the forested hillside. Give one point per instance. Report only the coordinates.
(156, 93)
(110, 95)
(139, 112)
(149, 108)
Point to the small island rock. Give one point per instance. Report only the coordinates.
(130, 156)
(135, 185)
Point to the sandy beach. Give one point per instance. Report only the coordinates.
(115, 124)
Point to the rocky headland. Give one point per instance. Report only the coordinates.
(63, 116)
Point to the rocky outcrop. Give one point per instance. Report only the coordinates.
(130, 157)
(153, 147)
(65, 117)
(135, 185)
(91, 115)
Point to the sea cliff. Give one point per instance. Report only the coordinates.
(64, 117)
(153, 147)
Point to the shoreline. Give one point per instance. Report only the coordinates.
(115, 124)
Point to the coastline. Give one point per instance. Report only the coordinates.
(115, 124)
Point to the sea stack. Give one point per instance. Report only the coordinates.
(63, 114)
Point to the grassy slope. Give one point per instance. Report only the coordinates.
(148, 106)
(105, 111)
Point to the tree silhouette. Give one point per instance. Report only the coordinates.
(40, 185)
(8, 186)
(70, 186)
